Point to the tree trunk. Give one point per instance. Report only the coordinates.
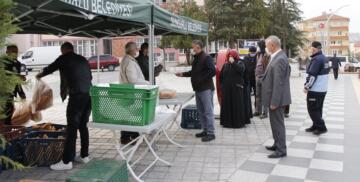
(164, 60)
(232, 44)
(188, 55)
(285, 46)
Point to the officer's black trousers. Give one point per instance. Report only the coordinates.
(315, 103)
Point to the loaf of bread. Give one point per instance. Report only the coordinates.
(167, 94)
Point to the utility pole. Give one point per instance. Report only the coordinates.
(328, 43)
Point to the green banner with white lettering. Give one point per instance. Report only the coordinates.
(133, 10)
(175, 23)
(101, 18)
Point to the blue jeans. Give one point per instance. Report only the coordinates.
(205, 108)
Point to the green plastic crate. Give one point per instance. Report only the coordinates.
(123, 104)
(101, 171)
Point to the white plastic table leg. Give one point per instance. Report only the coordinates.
(170, 139)
(176, 121)
(122, 155)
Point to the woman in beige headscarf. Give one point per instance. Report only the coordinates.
(130, 72)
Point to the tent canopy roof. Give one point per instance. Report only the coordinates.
(100, 18)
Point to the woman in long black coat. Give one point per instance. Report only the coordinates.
(233, 107)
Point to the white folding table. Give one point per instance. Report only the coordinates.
(127, 152)
(176, 104)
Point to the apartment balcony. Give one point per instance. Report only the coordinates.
(338, 28)
(341, 37)
(339, 46)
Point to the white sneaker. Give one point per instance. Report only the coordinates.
(60, 166)
(84, 160)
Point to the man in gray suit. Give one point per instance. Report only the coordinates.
(276, 94)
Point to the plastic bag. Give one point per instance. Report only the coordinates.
(36, 117)
(22, 114)
(42, 97)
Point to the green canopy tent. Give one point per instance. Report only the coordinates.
(102, 18)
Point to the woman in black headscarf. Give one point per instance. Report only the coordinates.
(233, 107)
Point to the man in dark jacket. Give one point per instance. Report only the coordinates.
(335, 64)
(250, 64)
(76, 74)
(203, 70)
(13, 66)
(263, 59)
(316, 86)
(143, 61)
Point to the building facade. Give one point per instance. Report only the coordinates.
(355, 49)
(331, 31)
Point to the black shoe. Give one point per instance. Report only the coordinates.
(256, 114)
(311, 129)
(287, 115)
(208, 138)
(277, 155)
(125, 141)
(263, 116)
(271, 148)
(320, 132)
(201, 135)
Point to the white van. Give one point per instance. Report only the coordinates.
(38, 57)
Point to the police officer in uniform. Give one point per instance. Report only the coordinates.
(316, 87)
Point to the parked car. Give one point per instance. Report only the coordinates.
(106, 62)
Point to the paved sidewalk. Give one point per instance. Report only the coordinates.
(238, 154)
(332, 157)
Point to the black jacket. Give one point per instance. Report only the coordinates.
(14, 66)
(202, 72)
(250, 66)
(143, 62)
(74, 71)
(335, 62)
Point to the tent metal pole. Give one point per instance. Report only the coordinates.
(151, 55)
(98, 61)
(207, 44)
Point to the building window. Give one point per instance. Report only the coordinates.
(86, 48)
(339, 33)
(107, 46)
(170, 57)
(159, 2)
(78, 47)
(333, 42)
(157, 42)
(182, 51)
(339, 42)
(92, 48)
(51, 43)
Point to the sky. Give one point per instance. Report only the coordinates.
(312, 8)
